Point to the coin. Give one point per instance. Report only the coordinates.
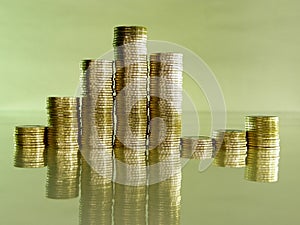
(196, 147)
(30, 146)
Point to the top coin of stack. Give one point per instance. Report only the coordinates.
(231, 148)
(30, 149)
(263, 148)
(193, 147)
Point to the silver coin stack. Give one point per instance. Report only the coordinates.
(131, 96)
(63, 147)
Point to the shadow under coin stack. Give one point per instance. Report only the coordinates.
(194, 147)
(231, 148)
(130, 48)
(263, 148)
(30, 149)
(97, 114)
(63, 148)
(96, 196)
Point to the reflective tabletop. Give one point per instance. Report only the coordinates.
(212, 195)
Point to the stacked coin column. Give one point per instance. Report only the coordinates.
(263, 148)
(164, 138)
(63, 147)
(193, 147)
(231, 148)
(30, 146)
(97, 114)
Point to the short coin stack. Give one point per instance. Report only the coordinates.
(96, 196)
(165, 106)
(30, 149)
(263, 148)
(130, 47)
(63, 151)
(97, 112)
(231, 148)
(193, 147)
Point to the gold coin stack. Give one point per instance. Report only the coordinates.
(96, 196)
(263, 148)
(193, 147)
(165, 106)
(164, 192)
(63, 147)
(231, 148)
(130, 204)
(130, 47)
(30, 148)
(97, 111)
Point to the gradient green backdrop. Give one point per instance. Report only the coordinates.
(251, 45)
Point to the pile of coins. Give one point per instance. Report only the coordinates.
(30, 149)
(97, 111)
(96, 196)
(130, 204)
(231, 148)
(193, 147)
(131, 76)
(165, 106)
(63, 147)
(164, 194)
(263, 148)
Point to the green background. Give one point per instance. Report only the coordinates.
(251, 45)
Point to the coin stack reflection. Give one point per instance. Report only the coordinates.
(164, 191)
(30, 147)
(63, 147)
(196, 147)
(263, 148)
(131, 95)
(231, 148)
(96, 195)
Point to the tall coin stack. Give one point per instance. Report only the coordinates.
(96, 196)
(131, 96)
(97, 113)
(63, 147)
(231, 148)
(165, 106)
(263, 148)
(200, 147)
(30, 148)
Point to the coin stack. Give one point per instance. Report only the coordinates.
(96, 195)
(165, 106)
(231, 148)
(263, 148)
(63, 147)
(164, 194)
(30, 149)
(193, 147)
(130, 204)
(131, 95)
(97, 111)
